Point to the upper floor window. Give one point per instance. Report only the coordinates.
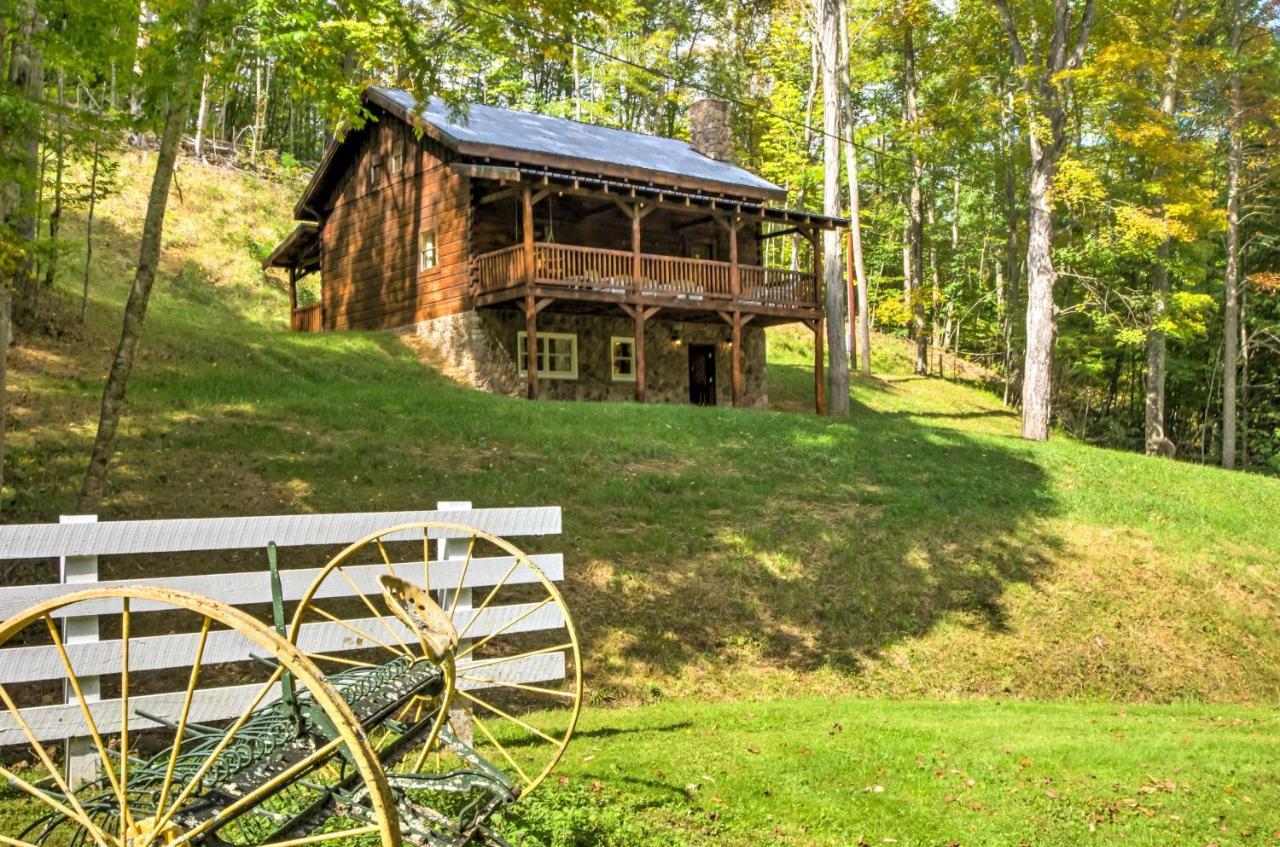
(427, 250)
(396, 164)
(373, 173)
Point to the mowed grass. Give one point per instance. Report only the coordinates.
(855, 772)
(917, 548)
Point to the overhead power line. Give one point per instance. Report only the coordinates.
(684, 83)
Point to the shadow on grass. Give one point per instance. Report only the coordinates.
(692, 535)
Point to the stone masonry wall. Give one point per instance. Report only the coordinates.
(479, 347)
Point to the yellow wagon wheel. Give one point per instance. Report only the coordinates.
(512, 663)
(170, 779)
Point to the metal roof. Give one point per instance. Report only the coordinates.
(529, 132)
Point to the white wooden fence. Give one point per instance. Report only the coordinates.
(78, 541)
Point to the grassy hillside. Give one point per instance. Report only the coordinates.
(916, 548)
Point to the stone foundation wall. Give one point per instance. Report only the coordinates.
(479, 348)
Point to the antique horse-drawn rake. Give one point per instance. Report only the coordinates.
(382, 712)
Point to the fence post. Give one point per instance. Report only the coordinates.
(81, 755)
(456, 548)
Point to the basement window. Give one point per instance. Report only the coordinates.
(557, 354)
(427, 250)
(622, 357)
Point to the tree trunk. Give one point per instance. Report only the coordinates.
(1231, 304)
(859, 324)
(1046, 136)
(202, 115)
(6, 334)
(915, 207)
(135, 311)
(26, 78)
(88, 232)
(55, 214)
(828, 19)
(1037, 373)
(1156, 441)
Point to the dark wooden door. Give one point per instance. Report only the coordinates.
(702, 374)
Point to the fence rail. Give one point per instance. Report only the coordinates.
(79, 541)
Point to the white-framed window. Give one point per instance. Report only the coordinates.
(427, 250)
(396, 164)
(557, 354)
(373, 172)
(622, 358)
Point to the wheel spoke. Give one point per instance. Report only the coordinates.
(536, 689)
(484, 663)
(325, 836)
(182, 718)
(514, 561)
(194, 782)
(327, 658)
(84, 709)
(503, 750)
(506, 626)
(361, 633)
(462, 577)
(385, 558)
(527, 727)
(48, 799)
(382, 620)
(43, 753)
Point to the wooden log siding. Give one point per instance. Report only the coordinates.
(370, 237)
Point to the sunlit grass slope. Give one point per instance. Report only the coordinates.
(918, 548)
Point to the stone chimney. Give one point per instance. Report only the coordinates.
(710, 132)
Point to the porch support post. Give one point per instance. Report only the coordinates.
(736, 321)
(819, 380)
(530, 267)
(293, 288)
(641, 315)
(531, 340)
(635, 247)
(735, 282)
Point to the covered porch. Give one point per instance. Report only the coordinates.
(554, 244)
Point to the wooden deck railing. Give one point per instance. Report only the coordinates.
(307, 319)
(501, 268)
(613, 271)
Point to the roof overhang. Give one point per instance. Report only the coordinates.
(527, 158)
(662, 196)
(299, 250)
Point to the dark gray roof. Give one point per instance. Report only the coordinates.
(530, 132)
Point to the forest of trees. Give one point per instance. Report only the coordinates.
(1081, 195)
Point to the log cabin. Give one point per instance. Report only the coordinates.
(548, 257)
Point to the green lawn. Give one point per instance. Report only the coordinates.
(916, 551)
(847, 772)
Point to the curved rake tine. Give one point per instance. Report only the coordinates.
(163, 820)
